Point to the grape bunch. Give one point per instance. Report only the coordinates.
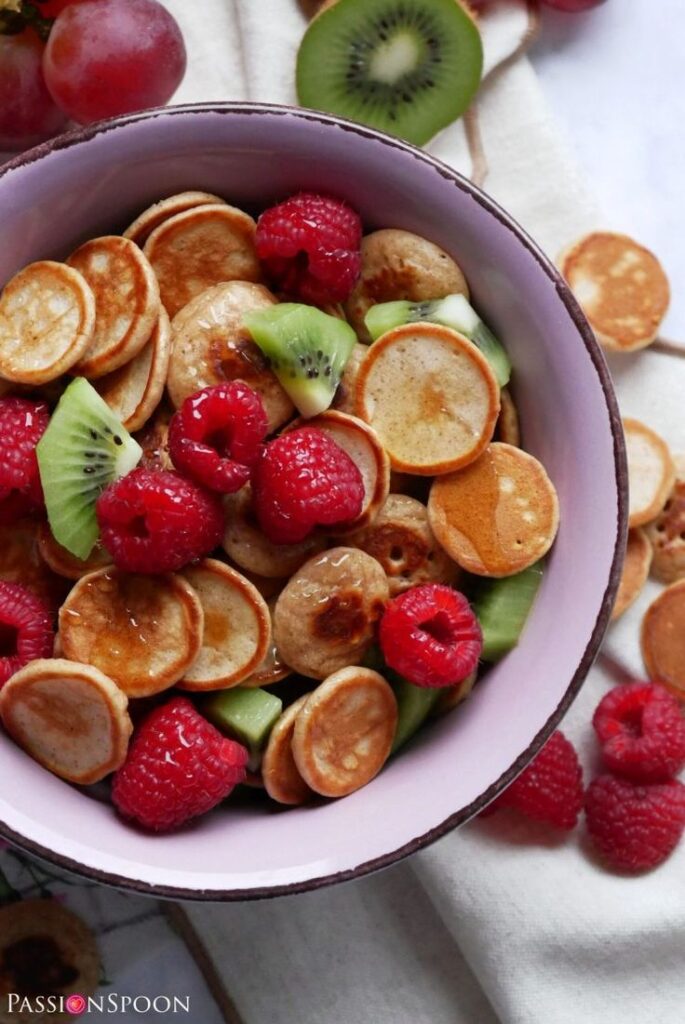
(82, 60)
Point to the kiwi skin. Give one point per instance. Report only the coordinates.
(502, 607)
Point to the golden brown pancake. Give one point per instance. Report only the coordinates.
(126, 302)
(237, 627)
(498, 515)
(273, 668)
(400, 265)
(636, 565)
(143, 226)
(134, 391)
(344, 399)
(47, 321)
(430, 395)
(211, 345)
(343, 735)
(663, 639)
(69, 717)
(280, 775)
(195, 250)
(63, 562)
(666, 533)
(507, 428)
(651, 472)
(621, 286)
(21, 561)
(144, 632)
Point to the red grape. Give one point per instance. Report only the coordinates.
(108, 57)
(572, 6)
(27, 112)
(51, 8)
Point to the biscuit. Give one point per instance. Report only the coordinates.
(237, 627)
(400, 265)
(430, 395)
(497, 516)
(63, 562)
(344, 398)
(143, 226)
(280, 775)
(666, 534)
(144, 632)
(195, 250)
(400, 538)
(211, 345)
(47, 322)
(663, 639)
(126, 302)
(361, 443)
(507, 429)
(343, 735)
(638, 559)
(651, 472)
(69, 717)
(326, 615)
(134, 391)
(621, 286)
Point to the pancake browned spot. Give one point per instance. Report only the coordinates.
(195, 250)
(126, 302)
(143, 226)
(281, 778)
(651, 472)
(638, 559)
(69, 717)
(621, 286)
(144, 632)
(134, 391)
(47, 320)
(663, 639)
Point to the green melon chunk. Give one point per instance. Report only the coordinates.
(245, 714)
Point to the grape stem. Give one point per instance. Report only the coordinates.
(28, 16)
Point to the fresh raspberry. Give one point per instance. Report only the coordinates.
(310, 246)
(431, 636)
(22, 424)
(550, 789)
(157, 521)
(303, 480)
(634, 827)
(178, 767)
(642, 732)
(25, 629)
(217, 434)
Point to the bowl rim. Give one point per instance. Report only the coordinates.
(80, 135)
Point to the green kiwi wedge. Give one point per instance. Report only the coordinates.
(502, 607)
(408, 67)
(83, 449)
(307, 350)
(453, 311)
(414, 705)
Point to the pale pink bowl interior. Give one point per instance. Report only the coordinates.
(97, 183)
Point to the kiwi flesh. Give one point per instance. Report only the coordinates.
(245, 714)
(83, 450)
(307, 350)
(408, 67)
(453, 311)
(414, 705)
(502, 607)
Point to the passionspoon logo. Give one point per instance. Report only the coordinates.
(75, 1005)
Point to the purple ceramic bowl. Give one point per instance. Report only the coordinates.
(95, 182)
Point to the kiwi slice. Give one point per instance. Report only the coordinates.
(502, 607)
(306, 349)
(408, 67)
(414, 704)
(247, 715)
(453, 311)
(83, 449)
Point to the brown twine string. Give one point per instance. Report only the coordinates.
(668, 348)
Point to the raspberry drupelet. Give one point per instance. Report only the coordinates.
(22, 424)
(26, 631)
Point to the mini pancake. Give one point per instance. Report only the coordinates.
(636, 565)
(22, 561)
(153, 439)
(361, 443)
(63, 562)
(666, 534)
(134, 391)
(497, 516)
(273, 668)
(400, 538)
(400, 265)
(451, 696)
(41, 940)
(344, 399)
(507, 429)
(621, 286)
(69, 717)
(194, 250)
(343, 735)
(280, 775)
(237, 627)
(211, 345)
(651, 472)
(126, 302)
(144, 632)
(47, 321)
(248, 547)
(663, 639)
(143, 226)
(430, 395)
(326, 616)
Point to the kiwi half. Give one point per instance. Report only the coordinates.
(307, 350)
(502, 607)
(408, 67)
(83, 449)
